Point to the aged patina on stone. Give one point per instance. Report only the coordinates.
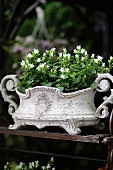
(43, 106)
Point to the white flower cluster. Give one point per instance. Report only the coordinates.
(33, 164)
(20, 166)
(62, 69)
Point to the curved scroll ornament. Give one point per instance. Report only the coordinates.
(103, 85)
(8, 84)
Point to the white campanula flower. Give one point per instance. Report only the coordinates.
(64, 50)
(29, 55)
(96, 60)
(42, 65)
(36, 51)
(78, 47)
(93, 55)
(22, 63)
(38, 60)
(52, 159)
(82, 58)
(48, 166)
(62, 69)
(67, 70)
(60, 54)
(30, 165)
(99, 57)
(36, 163)
(83, 50)
(77, 56)
(64, 55)
(20, 165)
(63, 76)
(53, 49)
(31, 65)
(103, 64)
(111, 58)
(75, 51)
(53, 168)
(43, 167)
(44, 54)
(68, 56)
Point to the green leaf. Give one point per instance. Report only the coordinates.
(94, 85)
(49, 84)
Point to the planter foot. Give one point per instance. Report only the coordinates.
(15, 126)
(73, 131)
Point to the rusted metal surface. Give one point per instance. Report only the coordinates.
(31, 133)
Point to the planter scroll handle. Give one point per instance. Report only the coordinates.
(103, 85)
(8, 84)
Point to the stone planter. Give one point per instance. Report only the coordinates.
(43, 106)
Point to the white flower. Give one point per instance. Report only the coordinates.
(96, 60)
(42, 65)
(99, 57)
(29, 55)
(43, 167)
(64, 50)
(63, 76)
(93, 55)
(44, 54)
(53, 49)
(78, 47)
(76, 55)
(83, 50)
(60, 54)
(103, 64)
(48, 166)
(52, 158)
(20, 165)
(82, 58)
(38, 60)
(68, 56)
(75, 51)
(31, 65)
(22, 63)
(62, 69)
(111, 57)
(64, 55)
(36, 51)
(67, 70)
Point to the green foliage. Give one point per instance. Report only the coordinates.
(30, 166)
(64, 70)
(28, 23)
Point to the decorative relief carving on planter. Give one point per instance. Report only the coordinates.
(48, 106)
(9, 83)
(103, 85)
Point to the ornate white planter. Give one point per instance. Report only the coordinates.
(47, 106)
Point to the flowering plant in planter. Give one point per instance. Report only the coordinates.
(64, 70)
(47, 77)
(35, 165)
